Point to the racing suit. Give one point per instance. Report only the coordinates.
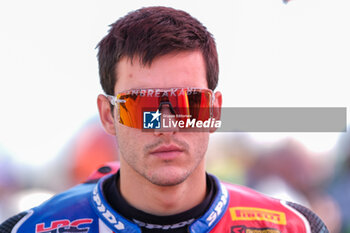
(234, 209)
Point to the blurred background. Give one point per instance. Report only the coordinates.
(272, 53)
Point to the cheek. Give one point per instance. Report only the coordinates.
(199, 143)
(129, 142)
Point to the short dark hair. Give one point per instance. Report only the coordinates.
(152, 32)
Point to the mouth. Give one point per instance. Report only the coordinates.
(167, 152)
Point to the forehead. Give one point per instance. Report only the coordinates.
(182, 69)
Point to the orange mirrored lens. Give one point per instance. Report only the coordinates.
(185, 102)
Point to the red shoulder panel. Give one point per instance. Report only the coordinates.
(106, 169)
(251, 211)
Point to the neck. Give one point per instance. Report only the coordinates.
(162, 200)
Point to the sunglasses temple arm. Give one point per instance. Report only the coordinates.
(212, 106)
(113, 100)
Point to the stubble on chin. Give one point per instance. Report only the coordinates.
(169, 174)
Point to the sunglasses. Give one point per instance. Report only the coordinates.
(179, 103)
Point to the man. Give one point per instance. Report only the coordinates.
(160, 61)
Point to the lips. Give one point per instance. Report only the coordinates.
(167, 152)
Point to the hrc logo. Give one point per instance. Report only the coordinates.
(64, 225)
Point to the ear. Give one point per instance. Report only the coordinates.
(106, 116)
(217, 108)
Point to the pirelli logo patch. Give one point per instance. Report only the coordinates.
(257, 214)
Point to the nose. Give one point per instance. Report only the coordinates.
(168, 120)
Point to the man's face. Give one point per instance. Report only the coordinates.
(162, 157)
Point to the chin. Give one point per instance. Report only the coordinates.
(168, 176)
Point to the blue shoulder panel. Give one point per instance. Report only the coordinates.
(69, 210)
(107, 214)
(216, 211)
